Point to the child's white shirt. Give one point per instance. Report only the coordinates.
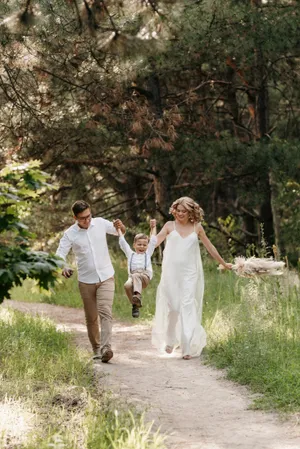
(139, 261)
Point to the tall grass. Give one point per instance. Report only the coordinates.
(46, 377)
(255, 334)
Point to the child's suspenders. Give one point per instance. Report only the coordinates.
(130, 262)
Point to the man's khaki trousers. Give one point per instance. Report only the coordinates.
(137, 280)
(97, 302)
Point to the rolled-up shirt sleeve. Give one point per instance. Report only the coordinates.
(64, 247)
(125, 247)
(109, 226)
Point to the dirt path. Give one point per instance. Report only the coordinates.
(192, 403)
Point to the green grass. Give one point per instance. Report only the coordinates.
(255, 334)
(46, 377)
(65, 293)
(33, 351)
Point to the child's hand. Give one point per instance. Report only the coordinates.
(152, 223)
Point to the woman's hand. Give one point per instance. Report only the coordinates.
(228, 266)
(152, 223)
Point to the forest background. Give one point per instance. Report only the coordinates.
(132, 104)
(129, 105)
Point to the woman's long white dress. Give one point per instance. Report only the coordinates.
(179, 297)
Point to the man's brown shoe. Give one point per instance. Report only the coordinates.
(107, 355)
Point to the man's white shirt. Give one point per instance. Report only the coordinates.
(139, 261)
(90, 249)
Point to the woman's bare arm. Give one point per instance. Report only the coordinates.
(161, 236)
(210, 247)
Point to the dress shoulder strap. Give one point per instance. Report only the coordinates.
(174, 225)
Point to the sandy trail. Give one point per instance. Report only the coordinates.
(194, 405)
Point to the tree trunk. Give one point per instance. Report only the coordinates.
(275, 214)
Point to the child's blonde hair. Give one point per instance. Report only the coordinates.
(196, 214)
(140, 237)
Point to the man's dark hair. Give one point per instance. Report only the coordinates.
(79, 206)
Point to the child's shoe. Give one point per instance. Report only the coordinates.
(137, 299)
(135, 311)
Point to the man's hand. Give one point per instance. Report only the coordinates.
(67, 272)
(119, 225)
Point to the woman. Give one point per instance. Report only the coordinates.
(179, 296)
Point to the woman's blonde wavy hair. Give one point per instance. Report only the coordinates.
(196, 214)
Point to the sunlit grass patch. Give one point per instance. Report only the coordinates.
(16, 422)
(120, 429)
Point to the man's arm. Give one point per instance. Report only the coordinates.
(64, 247)
(63, 250)
(112, 227)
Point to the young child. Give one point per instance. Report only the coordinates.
(139, 265)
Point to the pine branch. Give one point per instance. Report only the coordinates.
(227, 234)
(117, 32)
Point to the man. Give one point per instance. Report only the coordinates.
(87, 239)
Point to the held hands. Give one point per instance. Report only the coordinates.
(67, 272)
(118, 224)
(152, 223)
(153, 227)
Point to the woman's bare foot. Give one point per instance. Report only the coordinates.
(169, 349)
(187, 357)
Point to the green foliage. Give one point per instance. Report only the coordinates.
(289, 203)
(20, 186)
